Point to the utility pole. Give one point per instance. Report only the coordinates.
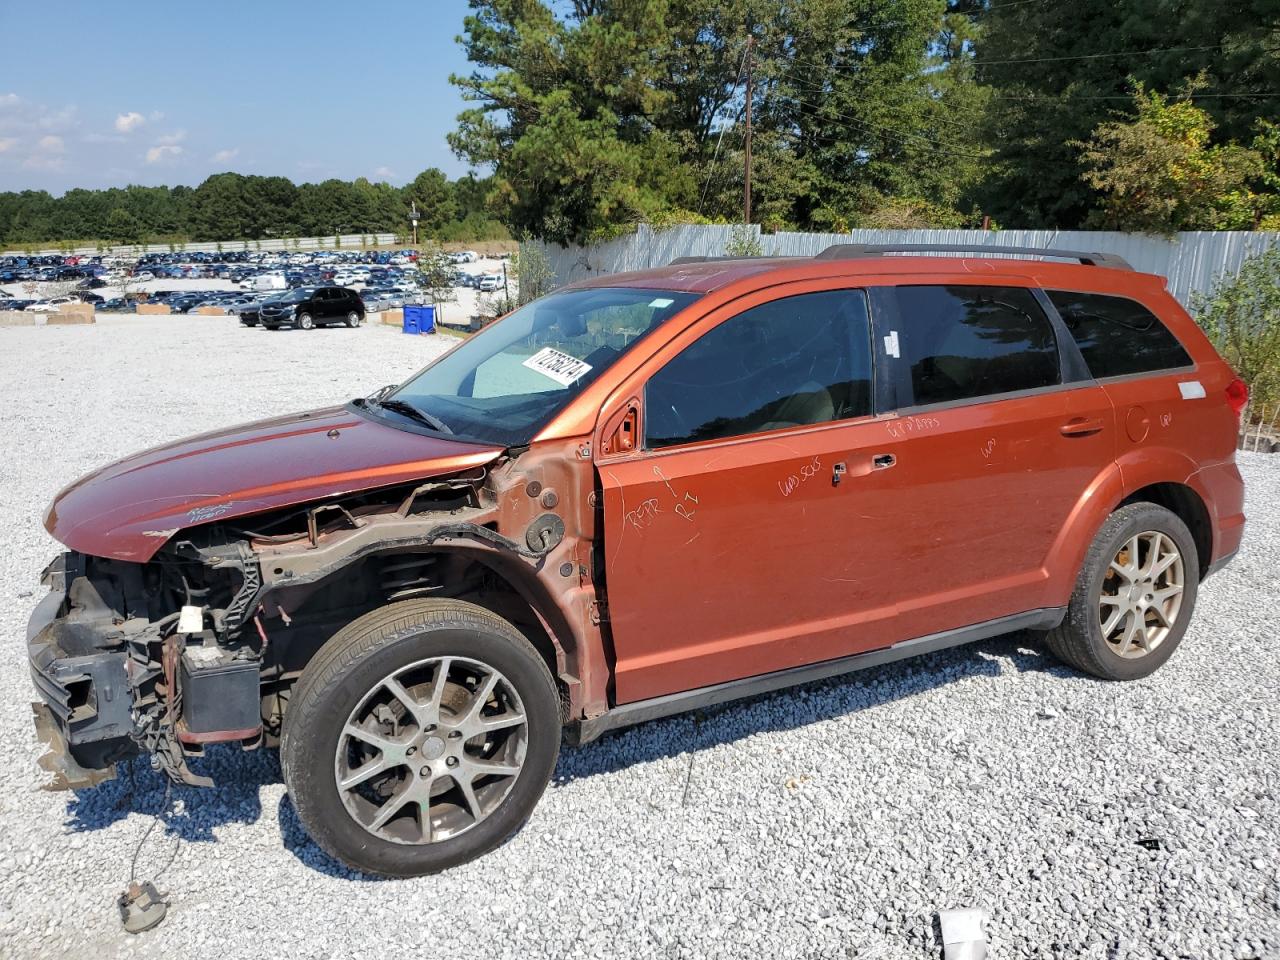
(746, 183)
(413, 219)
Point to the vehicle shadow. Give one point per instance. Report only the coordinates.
(803, 705)
(193, 813)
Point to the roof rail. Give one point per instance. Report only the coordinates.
(755, 256)
(851, 251)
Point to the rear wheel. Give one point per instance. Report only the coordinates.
(353, 319)
(420, 737)
(1134, 596)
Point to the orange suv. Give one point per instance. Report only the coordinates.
(642, 494)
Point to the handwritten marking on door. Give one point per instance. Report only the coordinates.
(807, 472)
(988, 448)
(908, 425)
(643, 514)
(1166, 419)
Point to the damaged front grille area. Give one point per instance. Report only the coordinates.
(104, 651)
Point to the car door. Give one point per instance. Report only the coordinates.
(751, 528)
(999, 436)
(322, 304)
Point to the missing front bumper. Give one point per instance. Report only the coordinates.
(67, 773)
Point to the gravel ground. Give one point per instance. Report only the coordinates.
(834, 820)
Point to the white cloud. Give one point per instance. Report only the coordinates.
(176, 137)
(162, 152)
(129, 122)
(384, 173)
(9, 99)
(225, 156)
(51, 144)
(7, 143)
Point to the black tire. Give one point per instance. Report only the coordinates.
(271, 326)
(354, 319)
(1078, 641)
(353, 662)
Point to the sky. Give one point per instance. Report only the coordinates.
(100, 94)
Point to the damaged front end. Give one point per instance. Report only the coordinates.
(110, 654)
(203, 642)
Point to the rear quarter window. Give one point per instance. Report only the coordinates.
(1118, 336)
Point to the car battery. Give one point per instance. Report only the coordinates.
(220, 696)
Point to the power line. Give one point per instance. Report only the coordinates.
(720, 139)
(1100, 56)
(894, 134)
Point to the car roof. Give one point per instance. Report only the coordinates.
(710, 275)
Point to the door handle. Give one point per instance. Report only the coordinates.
(882, 461)
(1081, 427)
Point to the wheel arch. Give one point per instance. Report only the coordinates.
(1165, 478)
(1184, 502)
(501, 583)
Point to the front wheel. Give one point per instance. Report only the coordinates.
(1133, 598)
(305, 322)
(353, 319)
(419, 737)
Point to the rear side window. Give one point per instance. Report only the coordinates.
(1118, 336)
(790, 362)
(965, 342)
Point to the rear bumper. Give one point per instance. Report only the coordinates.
(1222, 489)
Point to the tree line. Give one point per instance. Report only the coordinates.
(1151, 115)
(232, 206)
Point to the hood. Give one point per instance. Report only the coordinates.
(127, 511)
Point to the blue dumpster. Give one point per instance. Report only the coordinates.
(419, 318)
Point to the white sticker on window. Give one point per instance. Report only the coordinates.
(560, 367)
(891, 343)
(1191, 389)
(661, 303)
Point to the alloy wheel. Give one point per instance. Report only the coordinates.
(431, 750)
(304, 321)
(1141, 594)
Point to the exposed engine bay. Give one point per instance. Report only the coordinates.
(202, 643)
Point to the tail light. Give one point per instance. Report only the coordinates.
(1237, 395)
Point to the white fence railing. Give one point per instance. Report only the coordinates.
(1190, 262)
(345, 241)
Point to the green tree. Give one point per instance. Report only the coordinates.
(122, 227)
(434, 196)
(1242, 318)
(1160, 173)
(1056, 71)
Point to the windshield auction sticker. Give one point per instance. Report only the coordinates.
(560, 367)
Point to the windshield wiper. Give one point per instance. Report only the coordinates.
(413, 413)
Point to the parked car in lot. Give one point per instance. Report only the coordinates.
(52, 305)
(306, 308)
(489, 282)
(642, 494)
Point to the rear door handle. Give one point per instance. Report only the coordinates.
(882, 461)
(1081, 427)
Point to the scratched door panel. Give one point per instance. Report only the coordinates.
(733, 559)
(983, 492)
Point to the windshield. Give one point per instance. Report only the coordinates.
(504, 383)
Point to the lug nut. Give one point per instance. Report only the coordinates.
(454, 734)
(411, 751)
(451, 762)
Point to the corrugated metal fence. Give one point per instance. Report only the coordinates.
(1190, 261)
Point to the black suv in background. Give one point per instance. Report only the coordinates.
(309, 307)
